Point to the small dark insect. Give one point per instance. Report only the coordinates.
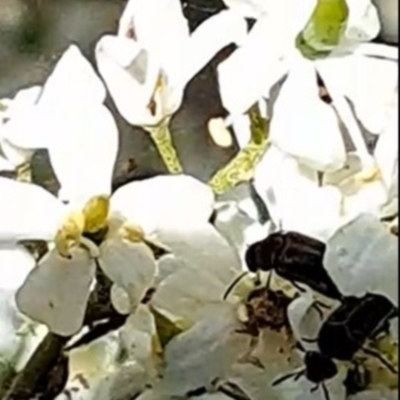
(296, 258)
(355, 321)
(318, 368)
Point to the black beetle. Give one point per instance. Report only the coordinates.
(318, 368)
(356, 320)
(296, 258)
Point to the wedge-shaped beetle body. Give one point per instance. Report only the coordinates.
(295, 257)
(357, 319)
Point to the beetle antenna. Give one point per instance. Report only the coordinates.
(379, 357)
(294, 375)
(300, 347)
(234, 284)
(308, 340)
(325, 391)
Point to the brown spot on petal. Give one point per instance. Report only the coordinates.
(130, 33)
(323, 91)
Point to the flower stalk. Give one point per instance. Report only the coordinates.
(162, 139)
(241, 167)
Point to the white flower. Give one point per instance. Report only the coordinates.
(56, 292)
(68, 120)
(302, 124)
(146, 69)
(12, 156)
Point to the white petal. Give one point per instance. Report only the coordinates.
(242, 129)
(130, 73)
(72, 85)
(6, 165)
(184, 294)
(389, 15)
(164, 200)
(303, 125)
(124, 382)
(301, 389)
(248, 73)
(253, 381)
(360, 196)
(304, 319)
(20, 115)
(376, 394)
(293, 197)
(237, 227)
(131, 266)
(137, 337)
(93, 360)
(27, 211)
(204, 352)
(71, 89)
(372, 99)
(248, 8)
(209, 38)
(201, 246)
(202, 266)
(172, 28)
(167, 265)
(56, 291)
(89, 145)
(23, 99)
(120, 299)
(15, 155)
(386, 152)
(362, 257)
(213, 396)
(275, 353)
(363, 22)
(15, 265)
(378, 50)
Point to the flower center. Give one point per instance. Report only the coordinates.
(92, 218)
(132, 232)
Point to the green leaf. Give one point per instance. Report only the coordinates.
(324, 29)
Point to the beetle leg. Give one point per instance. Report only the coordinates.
(325, 390)
(323, 305)
(233, 284)
(308, 340)
(379, 357)
(316, 307)
(315, 388)
(299, 288)
(294, 375)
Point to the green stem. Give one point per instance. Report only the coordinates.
(161, 136)
(241, 167)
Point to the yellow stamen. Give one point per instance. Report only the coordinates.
(70, 233)
(133, 233)
(96, 214)
(368, 175)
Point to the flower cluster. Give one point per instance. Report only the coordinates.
(173, 288)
